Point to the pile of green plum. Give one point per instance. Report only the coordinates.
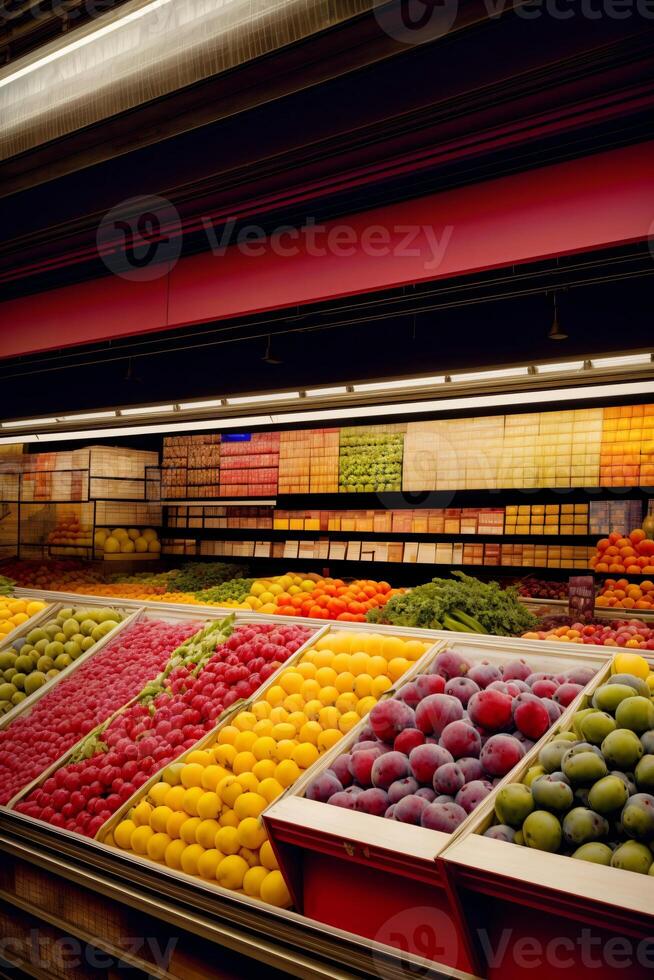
(46, 650)
(591, 794)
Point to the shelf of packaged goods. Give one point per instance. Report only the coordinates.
(274, 938)
(578, 907)
(275, 534)
(334, 859)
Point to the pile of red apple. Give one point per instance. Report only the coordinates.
(630, 633)
(434, 751)
(82, 795)
(536, 588)
(81, 702)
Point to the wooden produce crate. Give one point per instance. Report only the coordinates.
(382, 879)
(129, 617)
(532, 912)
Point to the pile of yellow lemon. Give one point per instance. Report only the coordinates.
(15, 612)
(204, 816)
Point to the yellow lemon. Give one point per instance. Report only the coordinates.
(158, 792)
(326, 677)
(306, 754)
(363, 686)
(192, 797)
(397, 667)
(231, 871)
(249, 805)
(278, 714)
(245, 721)
(263, 728)
(414, 649)
(631, 663)
(359, 663)
(249, 782)
(252, 857)
(348, 721)
(275, 695)
(173, 855)
(208, 806)
(157, 845)
(251, 833)
(208, 863)
(175, 823)
(141, 838)
(310, 689)
(313, 708)
(270, 789)
(244, 762)
(380, 685)
(199, 757)
(377, 667)
(205, 833)
(328, 738)
(283, 731)
(323, 658)
(287, 772)
(141, 814)
(227, 840)
(190, 857)
(191, 775)
(328, 717)
(365, 705)
(267, 857)
(244, 741)
(123, 834)
(225, 755)
(261, 710)
(346, 702)
(291, 681)
(253, 880)
(188, 830)
(264, 769)
(310, 732)
(329, 695)
(229, 789)
(264, 747)
(294, 704)
(228, 819)
(274, 890)
(284, 749)
(212, 775)
(307, 669)
(159, 818)
(227, 735)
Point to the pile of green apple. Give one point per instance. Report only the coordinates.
(46, 650)
(590, 795)
(370, 461)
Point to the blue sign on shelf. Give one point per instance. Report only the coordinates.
(237, 437)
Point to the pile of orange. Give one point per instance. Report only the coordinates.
(332, 598)
(633, 555)
(622, 594)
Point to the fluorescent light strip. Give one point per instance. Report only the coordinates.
(82, 42)
(445, 405)
(197, 406)
(87, 417)
(152, 410)
(28, 422)
(520, 372)
(560, 368)
(325, 392)
(396, 385)
(629, 360)
(282, 396)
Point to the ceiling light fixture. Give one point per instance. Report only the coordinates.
(556, 332)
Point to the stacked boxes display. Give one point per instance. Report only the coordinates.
(547, 519)
(622, 436)
(371, 459)
(615, 515)
(250, 468)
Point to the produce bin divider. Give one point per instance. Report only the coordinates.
(30, 701)
(591, 892)
(241, 705)
(307, 834)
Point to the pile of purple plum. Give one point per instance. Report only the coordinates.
(431, 754)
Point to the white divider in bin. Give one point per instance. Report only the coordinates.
(588, 882)
(361, 830)
(130, 617)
